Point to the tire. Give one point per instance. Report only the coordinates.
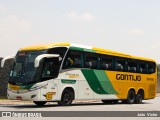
(67, 98)
(115, 101)
(131, 97)
(40, 103)
(139, 98)
(110, 101)
(124, 101)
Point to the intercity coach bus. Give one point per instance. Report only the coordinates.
(63, 72)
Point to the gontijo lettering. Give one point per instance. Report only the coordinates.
(128, 77)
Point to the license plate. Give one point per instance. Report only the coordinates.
(19, 98)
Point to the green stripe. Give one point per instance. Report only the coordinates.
(93, 81)
(76, 48)
(82, 49)
(68, 81)
(99, 81)
(26, 86)
(89, 50)
(105, 82)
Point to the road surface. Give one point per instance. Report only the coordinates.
(147, 105)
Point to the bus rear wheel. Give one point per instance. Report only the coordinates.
(40, 103)
(67, 98)
(139, 98)
(131, 97)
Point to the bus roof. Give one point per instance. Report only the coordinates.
(43, 46)
(82, 48)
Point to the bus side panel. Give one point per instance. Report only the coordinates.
(100, 84)
(127, 81)
(84, 90)
(73, 78)
(49, 92)
(92, 84)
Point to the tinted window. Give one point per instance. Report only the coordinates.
(78, 59)
(132, 66)
(106, 63)
(151, 68)
(73, 59)
(58, 50)
(142, 67)
(120, 64)
(91, 60)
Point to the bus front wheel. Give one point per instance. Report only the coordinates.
(40, 103)
(67, 97)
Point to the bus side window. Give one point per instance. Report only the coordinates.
(73, 60)
(58, 50)
(69, 62)
(120, 65)
(132, 66)
(143, 68)
(91, 60)
(106, 63)
(151, 68)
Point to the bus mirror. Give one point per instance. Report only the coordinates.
(40, 57)
(4, 60)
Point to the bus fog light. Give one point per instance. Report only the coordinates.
(33, 96)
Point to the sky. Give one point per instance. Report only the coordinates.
(128, 26)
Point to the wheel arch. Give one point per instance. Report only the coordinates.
(132, 88)
(70, 88)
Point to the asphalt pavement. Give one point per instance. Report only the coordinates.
(147, 105)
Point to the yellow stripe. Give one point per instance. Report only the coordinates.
(114, 53)
(43, 47)
(13, 87)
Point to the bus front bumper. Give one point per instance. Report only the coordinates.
(24, 95)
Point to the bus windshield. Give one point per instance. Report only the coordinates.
(23, 70)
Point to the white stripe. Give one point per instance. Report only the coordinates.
(81, 46)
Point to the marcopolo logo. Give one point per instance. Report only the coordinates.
(128, 77)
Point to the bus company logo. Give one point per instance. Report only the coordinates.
(128, 77)
(72, 75)
(49, 95)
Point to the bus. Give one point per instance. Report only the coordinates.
(63, 72)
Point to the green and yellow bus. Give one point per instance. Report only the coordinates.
(63, 72)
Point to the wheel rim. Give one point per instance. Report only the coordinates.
(66, 98)
(139, 98)
(131, 97)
